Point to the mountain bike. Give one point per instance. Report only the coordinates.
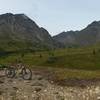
(18, 70)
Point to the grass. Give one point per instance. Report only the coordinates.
(80, 63)
(66, 58)
(77, 74)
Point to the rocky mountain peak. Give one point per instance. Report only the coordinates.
(21, 32)
(94, 24)
(87, 36)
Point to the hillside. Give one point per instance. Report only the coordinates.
(19, 32)
(88, 36)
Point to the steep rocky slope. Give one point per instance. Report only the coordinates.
(88, 36)
(17, 31)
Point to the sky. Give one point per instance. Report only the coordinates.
(55, 15)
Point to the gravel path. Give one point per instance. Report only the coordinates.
(39, 88)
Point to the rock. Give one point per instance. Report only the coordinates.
(52, 82)
(37, 89)
(36, 97)
(40, 78)
(13, 94)
(98, 98)
(1, 92)
(37, 84)
(60, 97)
(97, 90)
(45, 90)
(1, 82)
(15, 88)
(56, 93)
(10, 81)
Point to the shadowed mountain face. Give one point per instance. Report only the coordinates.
(17, 31)
(88, 36)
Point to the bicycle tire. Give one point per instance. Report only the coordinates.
(26, 74)
(10, 72)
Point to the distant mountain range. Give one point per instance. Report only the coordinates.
(88, 36)
(19, 32)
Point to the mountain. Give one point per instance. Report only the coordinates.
(66, 38)
(19, 32)
(88, 36)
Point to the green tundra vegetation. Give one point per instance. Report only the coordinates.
(73, 58)
(66, 63)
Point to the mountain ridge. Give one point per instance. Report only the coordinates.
(88, 36)
(17, 31)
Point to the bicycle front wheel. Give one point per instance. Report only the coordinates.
(26, 74)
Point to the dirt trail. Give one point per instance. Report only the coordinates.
(40, 88)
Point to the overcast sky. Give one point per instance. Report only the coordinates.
(55, 15)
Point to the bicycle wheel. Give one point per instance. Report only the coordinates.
(10, 72)
(26, 74)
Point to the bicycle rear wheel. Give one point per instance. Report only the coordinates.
(10, 72)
